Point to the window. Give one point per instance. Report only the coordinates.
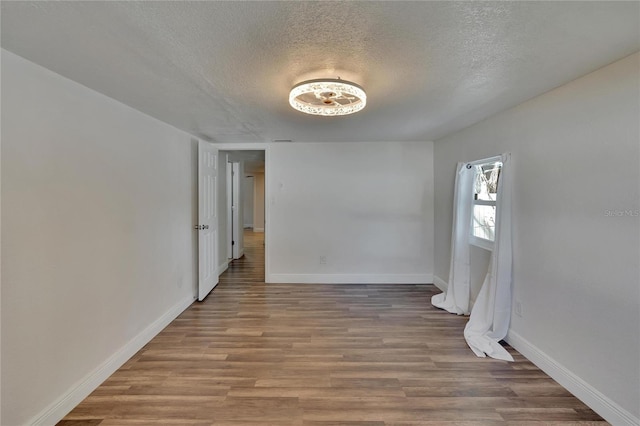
(485, 192)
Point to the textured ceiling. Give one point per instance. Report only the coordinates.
(223, 70)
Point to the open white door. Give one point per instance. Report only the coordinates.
(247, 201)
(235, 219)
(207, 218)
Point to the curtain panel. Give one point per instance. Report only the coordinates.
(456, 298)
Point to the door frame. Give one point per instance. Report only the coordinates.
(229, 201)
(268, 199)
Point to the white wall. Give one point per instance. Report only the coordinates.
(247, 199)
(575, 156)
(98, 246)
(366, 207)
(258, 202)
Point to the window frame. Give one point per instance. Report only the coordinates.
(473, 239)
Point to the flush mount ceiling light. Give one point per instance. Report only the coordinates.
(327, 97)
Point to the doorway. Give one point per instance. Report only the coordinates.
(244, 192)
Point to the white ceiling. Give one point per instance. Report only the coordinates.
(222, 70)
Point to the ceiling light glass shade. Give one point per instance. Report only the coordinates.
(327, 97)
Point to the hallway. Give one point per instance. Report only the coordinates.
(256, 353)
(250, 267)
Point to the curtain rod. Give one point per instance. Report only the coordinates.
(484, 160)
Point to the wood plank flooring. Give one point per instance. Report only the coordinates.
(286, 354)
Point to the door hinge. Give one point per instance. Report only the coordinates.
(233, 243)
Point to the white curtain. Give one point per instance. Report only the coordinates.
(491, 312)
(456, 298)
(489, 320)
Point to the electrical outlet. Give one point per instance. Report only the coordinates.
(323, 260)
(518, 308)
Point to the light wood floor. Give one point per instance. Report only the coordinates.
(278, 354)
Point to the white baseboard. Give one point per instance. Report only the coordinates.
(258, 229)
(80, 390)
(440, 283)
(223, 267)
(598, 402)
(351, 278)
(248, 225)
